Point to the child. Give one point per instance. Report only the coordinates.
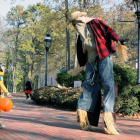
(28, 89)
(2, 87)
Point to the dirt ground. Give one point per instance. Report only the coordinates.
(18, 95)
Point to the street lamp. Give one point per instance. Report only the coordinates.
(137, 7)
(47, 41)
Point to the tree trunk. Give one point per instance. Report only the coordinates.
(75, 56)
(67, 37)
(30, 71)
(14, 74)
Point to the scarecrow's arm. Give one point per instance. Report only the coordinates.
(108, 32)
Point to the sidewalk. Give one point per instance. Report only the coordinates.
(31, 122)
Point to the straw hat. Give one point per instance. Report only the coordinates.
(75, 15)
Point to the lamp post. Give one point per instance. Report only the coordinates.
(137, 7)
(47, 41)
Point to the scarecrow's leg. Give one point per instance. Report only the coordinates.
(107, 77)
(89, 103)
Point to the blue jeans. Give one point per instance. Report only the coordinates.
(91, 88)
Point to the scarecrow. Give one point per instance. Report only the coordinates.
(94, 49)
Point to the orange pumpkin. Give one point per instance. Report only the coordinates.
(6, 104)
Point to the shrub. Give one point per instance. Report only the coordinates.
(66, 79)
(124, 76)
(127, 101)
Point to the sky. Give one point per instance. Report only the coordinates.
(5, 5)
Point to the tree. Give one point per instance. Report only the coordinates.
(15, 18)
(25, 46)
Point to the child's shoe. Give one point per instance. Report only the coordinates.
(1, 126)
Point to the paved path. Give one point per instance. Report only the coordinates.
(31, 122)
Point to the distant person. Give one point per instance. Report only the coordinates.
(28, 88)
(2, 87)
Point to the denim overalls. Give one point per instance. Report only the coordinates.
(91, 88)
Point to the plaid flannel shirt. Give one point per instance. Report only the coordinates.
(103, 38)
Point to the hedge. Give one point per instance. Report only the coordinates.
(127, 102)
(53, 96)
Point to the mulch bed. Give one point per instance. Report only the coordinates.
(135, 116)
